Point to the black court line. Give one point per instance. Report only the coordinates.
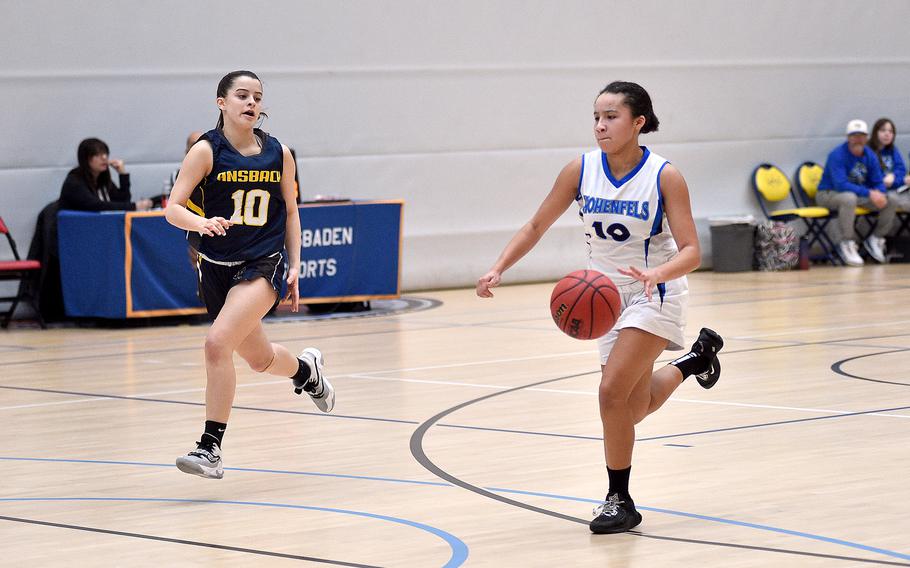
(791, 298)
(416, 444)
(786, 345)
(768, 549)
(661, 437)
(683, 434)
(420, 455)
(528, 432)
(188, 403)
(778, 423)
(186, 542)
(277, 338)
(16, 348)
(463, 426)
(838, 368)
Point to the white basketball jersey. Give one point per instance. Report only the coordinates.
(624, 218)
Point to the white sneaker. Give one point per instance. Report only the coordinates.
(875, 247)
(204, 461)
(317, 386)
(848, 252)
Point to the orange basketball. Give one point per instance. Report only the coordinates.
(585, 304)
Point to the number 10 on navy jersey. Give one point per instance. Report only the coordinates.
(251, 207)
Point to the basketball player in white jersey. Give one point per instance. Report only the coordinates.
(639, 232)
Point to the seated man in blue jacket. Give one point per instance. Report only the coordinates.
(853, 177)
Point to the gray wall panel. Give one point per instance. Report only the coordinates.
(466, 110)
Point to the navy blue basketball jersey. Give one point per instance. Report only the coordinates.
(246, 190)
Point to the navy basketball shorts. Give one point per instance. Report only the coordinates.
(217, 278)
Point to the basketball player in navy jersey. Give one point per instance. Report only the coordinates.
(235, 197)
(640, 233)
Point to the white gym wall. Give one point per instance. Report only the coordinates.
(466, 110)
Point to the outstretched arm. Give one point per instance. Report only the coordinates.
(555, 204)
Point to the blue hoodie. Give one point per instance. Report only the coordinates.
(893, 163)
(846, 172)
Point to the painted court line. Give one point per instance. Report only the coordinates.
(459, 549)
(140, 395)
(593, 393)
(456, 384)
(804, 330)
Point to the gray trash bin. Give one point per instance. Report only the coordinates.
(731, 246)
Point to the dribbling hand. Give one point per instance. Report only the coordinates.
(214, 226)
(489, 280)
(646, 277)
(293, 290)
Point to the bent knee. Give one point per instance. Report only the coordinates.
(847, 199)
(217, 347)
(261, 362)
(610, 394)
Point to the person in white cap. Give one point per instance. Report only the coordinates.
(853, 177)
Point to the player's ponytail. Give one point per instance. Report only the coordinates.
(638, 100)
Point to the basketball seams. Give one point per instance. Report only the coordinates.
(554, 299)
(591, 309)
(592, 314)
(567, 318)
(577, 282)
(613, 287)
(609, 285)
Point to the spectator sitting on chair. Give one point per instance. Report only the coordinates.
(893, 166)
(853, 177)
(89, 187)
(889, 157)
(190, 140)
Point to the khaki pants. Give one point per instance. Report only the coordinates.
(844, 203)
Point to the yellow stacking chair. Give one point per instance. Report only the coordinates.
(807, 177)
(773, 191)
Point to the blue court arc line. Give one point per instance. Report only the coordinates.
(810, 536)
(800, 534)
(459, 548)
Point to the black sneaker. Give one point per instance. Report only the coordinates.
(708, 343)
(615, 516)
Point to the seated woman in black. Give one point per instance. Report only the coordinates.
(89, 187)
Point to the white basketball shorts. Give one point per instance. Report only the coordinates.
(664, 317)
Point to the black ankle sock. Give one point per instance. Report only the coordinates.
(214, 432)
(619, 481)
(302, 375)
(691, 363)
